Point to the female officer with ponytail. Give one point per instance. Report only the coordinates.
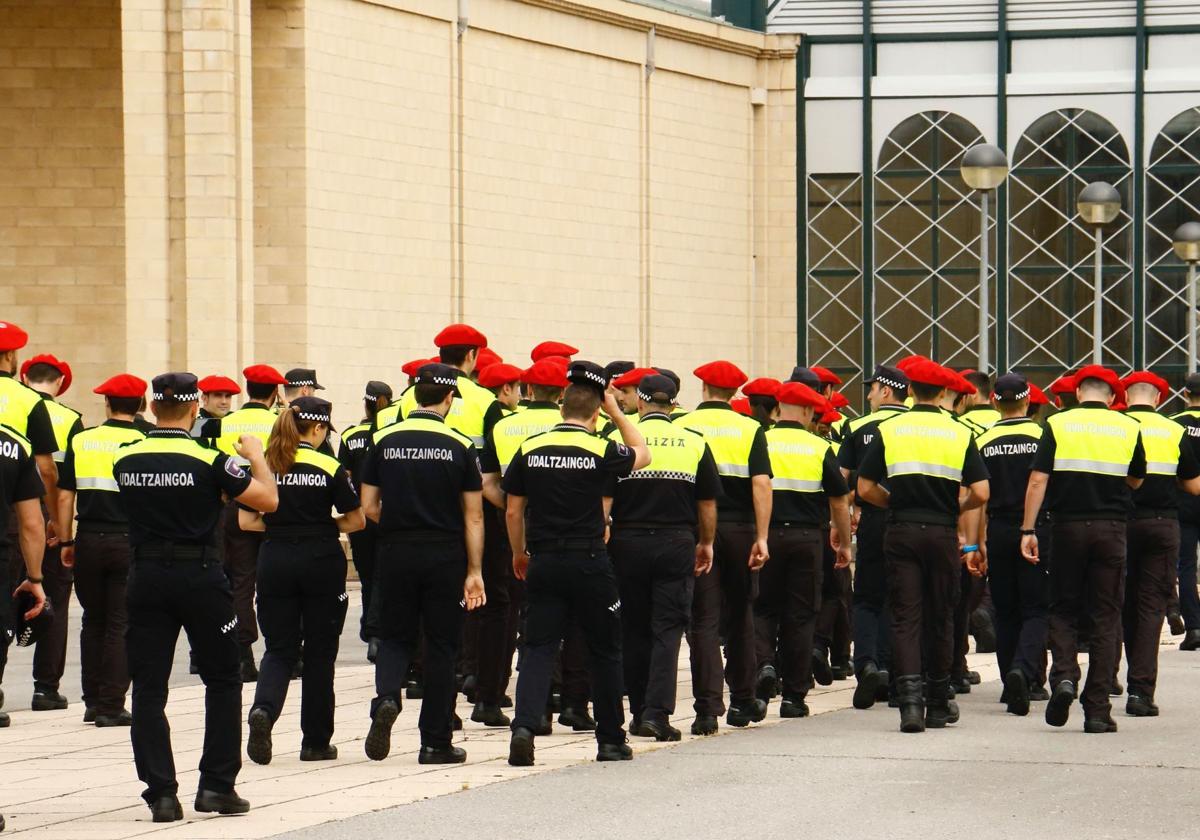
(301, 578)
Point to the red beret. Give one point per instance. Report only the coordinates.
(552, 348)
(493, 376)
(49, 359)
(961, 384)
(411, 368)
(218, 385)
(12, 337)
(550, 372)
(122, 385)
(1065, 384)
(460, 334)
(829, 418)
(925, 372)
(1140, 377)
(741, 405)
(487, 357)
(1037, 396)
(764, 386)
(1105, 375)
(263, 375)
(826, 376)
(797, 393)
(721, 374)
(908, 361)
(838, 400)
(1118, 405)
(632, 378)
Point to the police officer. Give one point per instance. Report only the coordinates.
(1153, 534)
(301, 578)
(546, 349)
(664, 522)
(871, 626)
(240, 548)
(739, 446)
(762, 392)
(352, 454)
(51, 377)
(978, 412)
(171, 488)
(807, 487)
(1189, 524)
(1020, 589)
(925, 457)
(556, 484)
(1088, 460)
(545, 382)
(421, 483)
(625, 387)
(99, 554)
(300, 382)
(216, 401)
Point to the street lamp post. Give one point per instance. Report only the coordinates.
(984, 168)
(1098, 204)
(1187, 248)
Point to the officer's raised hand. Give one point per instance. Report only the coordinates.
(611, 407)
(249, 446)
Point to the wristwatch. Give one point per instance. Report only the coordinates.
(1028, 533)
(33, 579)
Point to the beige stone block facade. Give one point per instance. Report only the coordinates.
(204, 184)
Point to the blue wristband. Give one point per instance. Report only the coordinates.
(967, 549)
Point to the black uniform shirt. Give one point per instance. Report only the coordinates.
(1081, 496)
(795, 508)
(20, 480)
(565, 474)
(1161, 492)
(856, 435)
(660, 496)
(352, 454)
(171, 486)
(1189, 505)
(315, 484)
(39, 430)
(422, 467)
(1008, 449)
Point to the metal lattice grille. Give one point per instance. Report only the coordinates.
(926, 242)
(835, 274)
(1051, 250)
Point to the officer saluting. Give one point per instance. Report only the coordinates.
(171, 488)
(556, 486)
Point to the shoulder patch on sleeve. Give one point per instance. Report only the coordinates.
(234, 469)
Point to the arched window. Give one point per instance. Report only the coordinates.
(926, 242)
(1051, 249)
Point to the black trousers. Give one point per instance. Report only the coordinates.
(1153, 551)
(972, 591)
(1021, 596)
(6, 603)
(240, 556)
(1189, 598)
(1086, 582)
(785, 613)
(655, 574)
(164, 596)
(101, 572)
(301, 600)
(419, 592)
(489, 623)
(872, 622)
(563, 585)
(923, 567)
(833, 631)
(363, 548)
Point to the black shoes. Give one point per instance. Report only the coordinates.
(1016, 689)
(961, 684)
(659, 731)
(938, 713)
(1191, 640)
(506, 702)
(984, 631)
(545, 727)
(121, 718)
(441, 755)
(248, 668)
(165, 809)
(209, 801)
(883, 691)
(414, 690)
(89, 714)
(821, 670)
(791, 708)
(841, 670)
(614, 752)
(868, 685)
(1099, 725)
(1138, 705)
(489, 715)
(577, 718)
(470, 689)
(1117, 689)
(326, 753)
(752, 711)
(1175, 622)
(379, 738)
(1058, 710)
(974, 677)
(910, 694)
(520, 748)
(48, 701)
(766, 684)
(1038, 693)
(258, 743)
(705, 725)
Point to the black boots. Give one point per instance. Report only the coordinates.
(910, 691)
(938, 712)
(868, 683)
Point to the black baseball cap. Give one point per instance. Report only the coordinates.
(377, 389)
(302, 376)
(805, 376)
(887, 375)
(590, 374)
(1192, 383)
(435, 373)
(29, 633)
(1011, 387)
(670, 374)
(657, 387)
(615, 369)
(315, 409)
(179, 386)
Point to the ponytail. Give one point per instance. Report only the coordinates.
(283, 443)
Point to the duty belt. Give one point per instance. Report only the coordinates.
(171, 552)
(1155, 513)
(568, 544)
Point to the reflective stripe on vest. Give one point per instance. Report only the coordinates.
(797, 459)
(16, 401)
(508, 434)
(728, 434)
(593, 444)
(320, 460)
(1161, 437)
(62, 419)
(94, 450)
(1093, 440)
(245, 421)
(167, 446)
(1025, 427)
(466, 412)
(419, 424)
(675, 452)
(925, 443)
